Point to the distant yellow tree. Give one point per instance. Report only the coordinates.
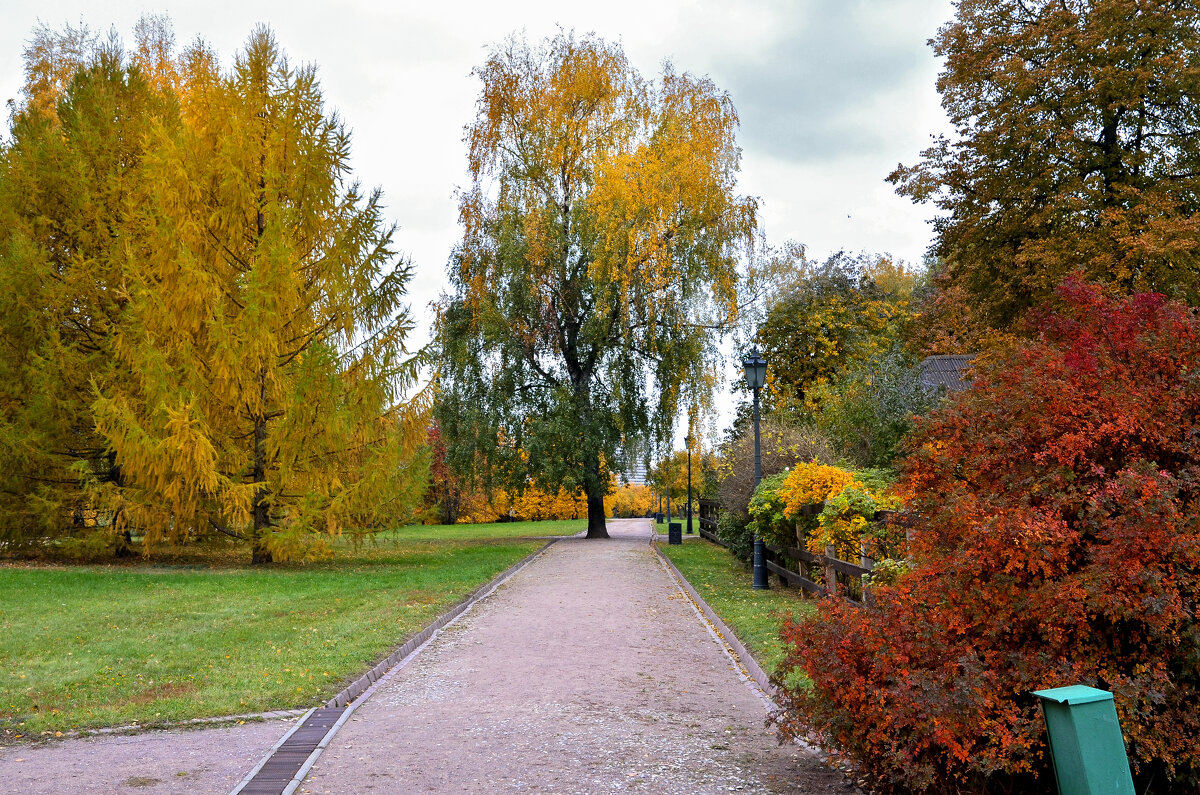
(631, 499)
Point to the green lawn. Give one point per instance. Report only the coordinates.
(725, 583)
(90, 646)
(555, 527)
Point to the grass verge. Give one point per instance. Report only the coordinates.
(444, 532)
(724, 582)
(91, 646)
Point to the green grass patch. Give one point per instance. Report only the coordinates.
(91, 646)
(725, 583)
(442, 532)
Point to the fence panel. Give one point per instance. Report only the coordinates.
(794, 566)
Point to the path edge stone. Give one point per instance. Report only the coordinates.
(730, 638)
(360, 689)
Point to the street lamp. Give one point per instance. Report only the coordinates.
(689, 442)
(756, 375)
(668, 488)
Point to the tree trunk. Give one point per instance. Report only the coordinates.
(259, 553)
(124, 543)
(594, 488)
(449, 507)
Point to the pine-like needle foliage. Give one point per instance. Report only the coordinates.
(240, 292)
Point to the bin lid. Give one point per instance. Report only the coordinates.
(1075, 694)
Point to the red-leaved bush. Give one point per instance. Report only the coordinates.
(1055, 513)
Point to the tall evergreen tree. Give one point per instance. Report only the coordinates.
(203, 330)
(73, 162)
(265, 323)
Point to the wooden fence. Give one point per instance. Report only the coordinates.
(797, 567)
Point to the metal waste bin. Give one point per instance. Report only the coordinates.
(1085, 741)
(675, 533)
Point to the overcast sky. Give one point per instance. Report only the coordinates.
(832, 94)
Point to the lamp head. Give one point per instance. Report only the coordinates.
(756, 369)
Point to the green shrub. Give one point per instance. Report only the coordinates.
(768, 514)
(734, 531)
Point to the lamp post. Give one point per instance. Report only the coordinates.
(689, 442)
(756, 375)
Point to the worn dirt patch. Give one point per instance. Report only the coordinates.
(164, 691)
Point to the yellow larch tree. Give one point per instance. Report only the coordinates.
(68, 173)
(264, 323)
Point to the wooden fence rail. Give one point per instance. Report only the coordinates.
(797, 567)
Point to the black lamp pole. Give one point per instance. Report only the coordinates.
(756, 373)
(668, 506)
(689, 441)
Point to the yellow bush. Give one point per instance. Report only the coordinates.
(849, 505)
(809, 484)
(629, 500)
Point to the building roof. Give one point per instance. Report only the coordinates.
(949, 373)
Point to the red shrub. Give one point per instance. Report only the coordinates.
(1055, 542)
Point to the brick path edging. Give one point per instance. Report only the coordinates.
(360, 685)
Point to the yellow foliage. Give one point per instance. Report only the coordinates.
(534, 504)
(630, 500)
(849, 505)
(809, 484)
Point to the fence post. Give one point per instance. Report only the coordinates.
(867, 562)
(830, 574)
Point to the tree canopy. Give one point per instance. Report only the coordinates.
(210, 338)
(1076, 147)
(601, 234)
(825, 319)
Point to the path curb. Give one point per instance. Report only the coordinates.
(744, 657)
(360, 685)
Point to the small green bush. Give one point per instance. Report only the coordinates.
(768, 517)
(734, 531)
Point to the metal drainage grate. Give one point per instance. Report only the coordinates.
(282, 766)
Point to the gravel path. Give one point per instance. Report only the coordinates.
(158, 762)
(586, 672)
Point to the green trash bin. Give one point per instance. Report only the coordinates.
(1085, 741)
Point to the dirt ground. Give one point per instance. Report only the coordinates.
(586, 672)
